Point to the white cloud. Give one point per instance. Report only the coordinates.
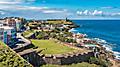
(35, 12)
(108, 7)
(86, 12)
(17, 0)
(18, 7)
(31, 0)
(96, 12)
(30, 8)
(115, 14)
(9, 3)
(89, 13)
(4, 2)
(53, 10)
(45, 10)
(79, 12)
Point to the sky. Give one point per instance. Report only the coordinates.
(60, 9)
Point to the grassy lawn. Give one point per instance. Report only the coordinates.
(2, 44)
(27, 32)
(83, 64)
(50, 47)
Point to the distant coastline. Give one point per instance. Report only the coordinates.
(82, 30)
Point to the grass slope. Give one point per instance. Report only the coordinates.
(9, 58)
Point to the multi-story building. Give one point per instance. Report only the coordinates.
(7, 34)
(10, 22)
(8, 28)
(19, 24)
(15, 22)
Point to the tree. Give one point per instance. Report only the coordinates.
(40, 36)
(94, 60)
(53, 35)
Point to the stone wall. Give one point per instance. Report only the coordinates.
(34, 59)
(61, 59)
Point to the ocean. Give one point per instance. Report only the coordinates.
(108, 30)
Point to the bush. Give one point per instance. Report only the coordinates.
(9, 59)
(101, 62)
(40, 36)
(94, 60)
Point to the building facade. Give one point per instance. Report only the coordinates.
(7, 34)
(15, 22)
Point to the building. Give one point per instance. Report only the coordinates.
(19, 24)
(7, 34)
(15, 22)
(10, 22)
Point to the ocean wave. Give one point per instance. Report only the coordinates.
(98, 29)
(100, 40)
(72, 30)
(108, 47)
(117, 55)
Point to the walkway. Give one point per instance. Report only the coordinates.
(26, 42)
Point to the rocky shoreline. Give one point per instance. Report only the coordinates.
(110, 54)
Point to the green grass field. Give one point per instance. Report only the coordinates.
(51, 47)
(26, 33)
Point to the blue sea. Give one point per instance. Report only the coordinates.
(108, 30)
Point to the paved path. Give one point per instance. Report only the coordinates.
(26, 42)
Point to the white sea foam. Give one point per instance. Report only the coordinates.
(105, 44)
(72, 30)
(117, 55)
(108, 47)
(100, 40)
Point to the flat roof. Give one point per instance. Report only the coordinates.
(7, 27)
